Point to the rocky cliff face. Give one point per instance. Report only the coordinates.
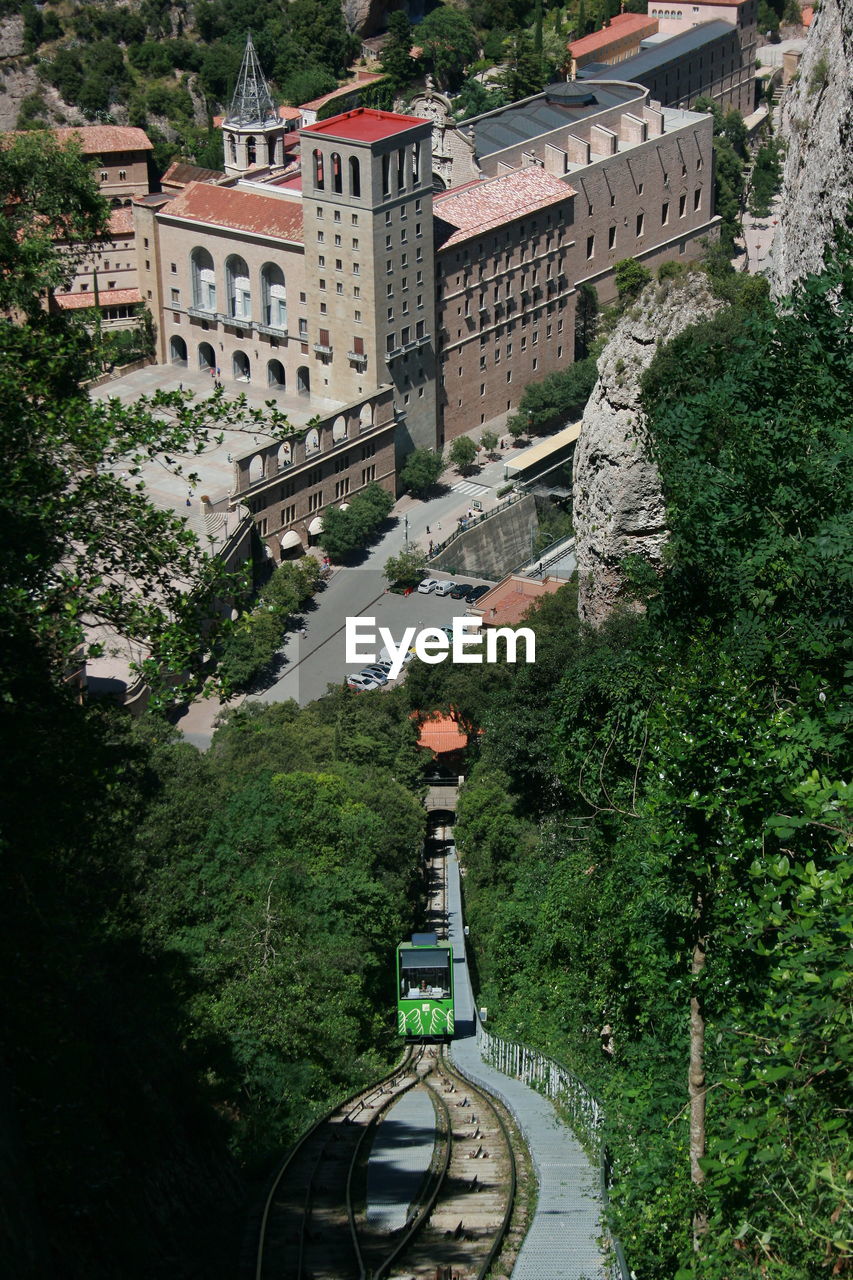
(618, 503)
(817, 126)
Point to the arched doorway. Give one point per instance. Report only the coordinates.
(206, 357)
(240, 366)
(275, 374)
(303, 380)
(177, 350)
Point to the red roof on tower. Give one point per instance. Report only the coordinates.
(364, 125)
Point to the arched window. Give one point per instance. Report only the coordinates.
(312, 441)
(256, 468)
(239, 288)
(339, 428)
(319, 180)
(386, 175)
(274, 298)
(354, 176)
(337, 173)
(206, 357)
(240, 367)
(285, 455)
(401, 168)
(416, 163)
(177, 350)
(275, 374)
(271, 150)
(251, 150)
(303, 380)
(204, 280)
(232, 148)
(365, 416)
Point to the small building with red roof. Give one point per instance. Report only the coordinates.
(440, 733)
(619, 39)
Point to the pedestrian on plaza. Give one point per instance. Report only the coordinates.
(427, 528)
(303, 631)
(430, 546)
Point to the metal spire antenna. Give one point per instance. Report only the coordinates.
(252, 102)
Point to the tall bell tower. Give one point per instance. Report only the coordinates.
(253, 132)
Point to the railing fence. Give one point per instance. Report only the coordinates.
(583, 1110)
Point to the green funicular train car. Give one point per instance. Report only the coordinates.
(425, 988)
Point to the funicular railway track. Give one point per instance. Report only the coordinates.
(314, 1225)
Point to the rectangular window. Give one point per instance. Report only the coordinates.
(682, 205)
(355, 268)
(590, 246)
(339, 266)
(176, 296)
(288, 514)
(664, 213)
(358, 346)
(611, 237)
(338, 242)
(368, 474)
(640, 186)
(321, 260)
(354, 243)
(339, 288)
(322, 284)
(482, 388)
(174, 267)
(356, 293)
(697, 198)
(355, 219)
(303, 328)
(357, 316)
(320, 237)
(641, 218)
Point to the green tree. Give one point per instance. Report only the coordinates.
(631, 278)
(345, 532)
(463, 455)
(408, 568)
(586, 320)
(449, 44)
(560, 395)
(396, 61)
(766, 178)
(488, 441)
(524, 71)
(421, 471)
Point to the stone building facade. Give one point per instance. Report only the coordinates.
(619, 39)
(382, 316)
(513, 251)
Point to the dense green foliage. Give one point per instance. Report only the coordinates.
(408, 568)
(248, 654)
(449, 42)
(678, 780)
(421, 470)
(631, 277)
(766, 178)
(462, 455)
(349, 531)
(729, 156)
(558, 396)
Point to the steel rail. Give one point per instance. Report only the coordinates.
(303, 1140)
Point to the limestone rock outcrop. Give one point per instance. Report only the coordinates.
(817, 127)
(618, 503)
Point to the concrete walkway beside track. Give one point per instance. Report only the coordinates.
(562, 1242)
(399, 1160)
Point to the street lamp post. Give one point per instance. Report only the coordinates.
(405, 533)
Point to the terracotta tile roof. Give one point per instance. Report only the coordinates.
(99, 139)
(238, 210)
(106, 298)
(506, 604)
(623, 24)
(475, 208)
(440, 733)
(364, 125)
(121, 222)
(366, 77)
(179, 174)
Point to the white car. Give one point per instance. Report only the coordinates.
(385, 657)
(444, 588)
(377, 673)
(428, 585)
(361, 682)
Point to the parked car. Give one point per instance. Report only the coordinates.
(376, 673)
(460, 591)
(361, 682)
(428, 585)
(476, 593)
(444, 588)
(385, 657)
